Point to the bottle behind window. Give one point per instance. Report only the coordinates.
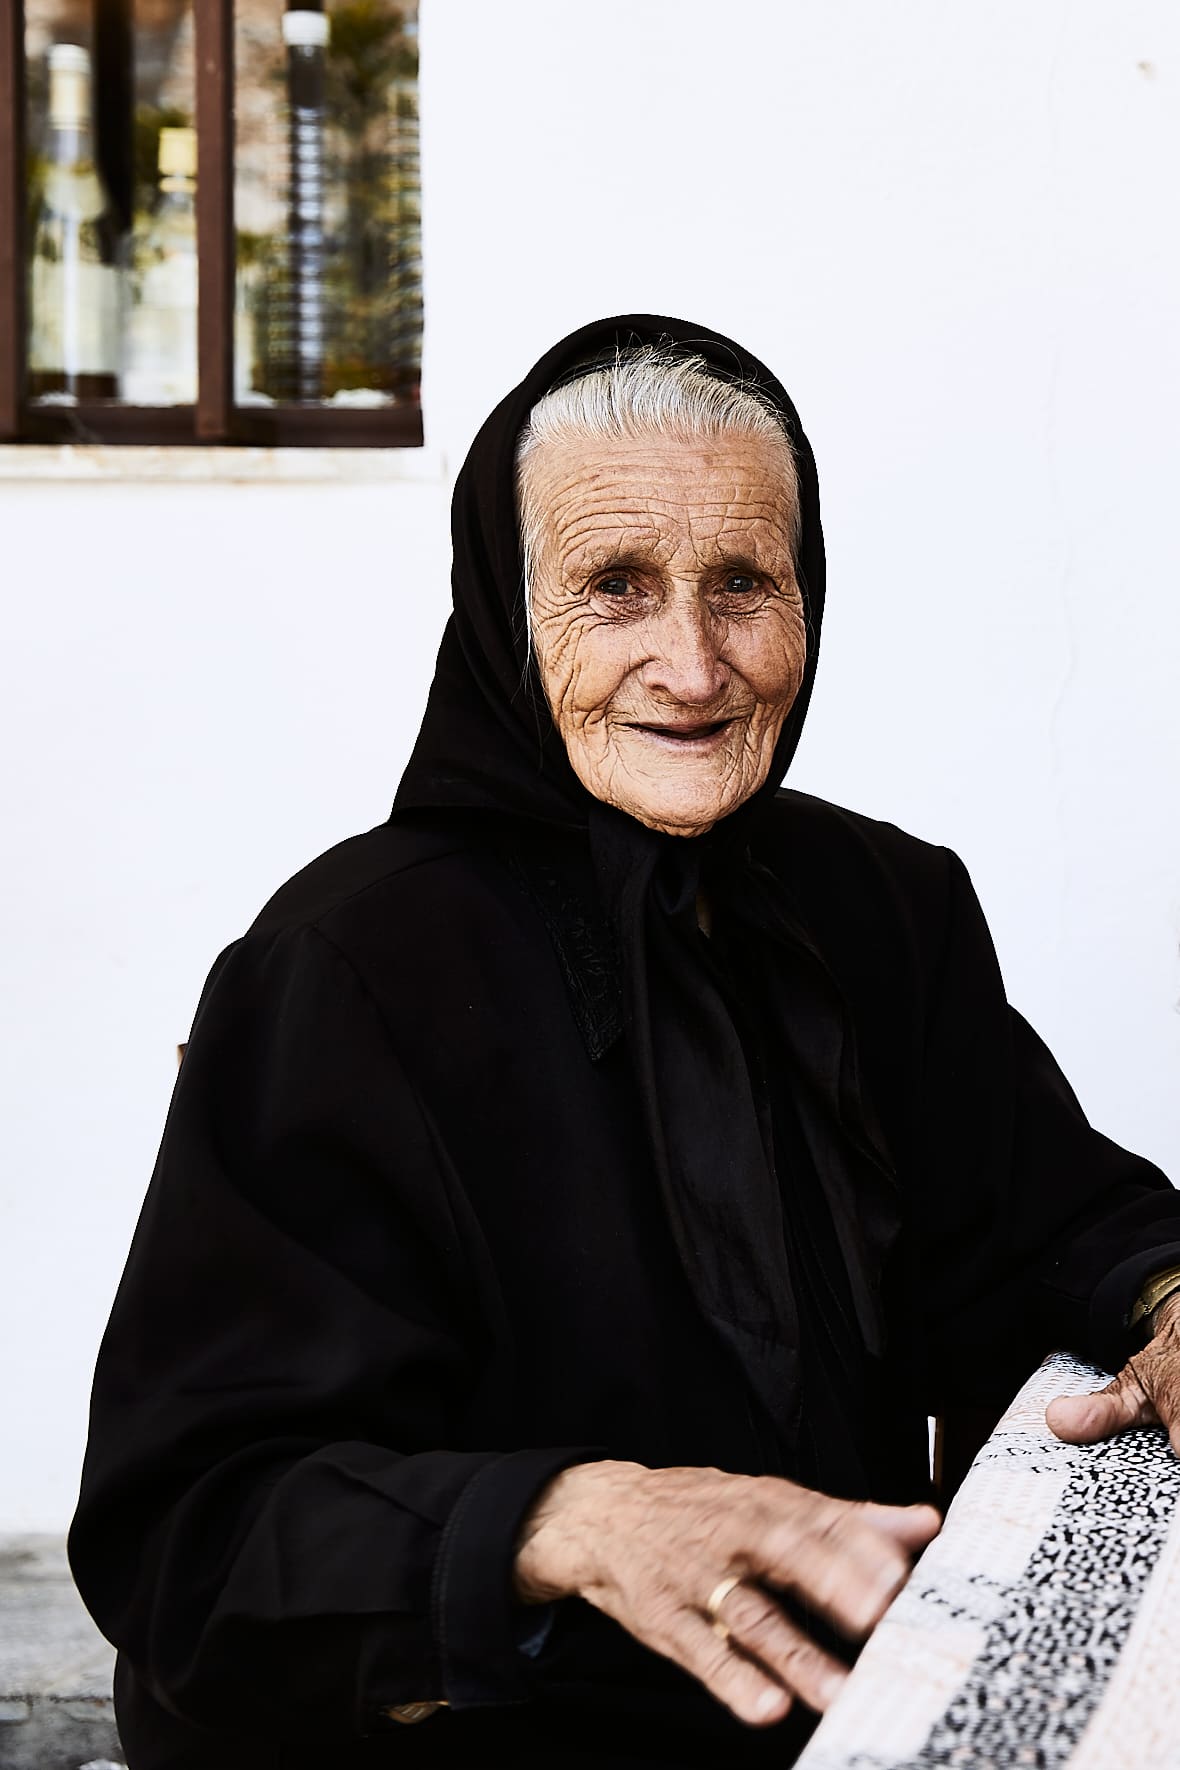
(75, 283)
(161, 368)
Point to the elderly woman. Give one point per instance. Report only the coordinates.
(579, 1189)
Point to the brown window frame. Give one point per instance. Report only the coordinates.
(214, 419)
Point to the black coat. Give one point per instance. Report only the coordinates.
(403, 1258)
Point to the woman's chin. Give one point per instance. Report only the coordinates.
(670, 828)
(684, 798)
(681, 814)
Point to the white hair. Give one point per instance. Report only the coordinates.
(649, 390)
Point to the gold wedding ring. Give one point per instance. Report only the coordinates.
(716, 1599)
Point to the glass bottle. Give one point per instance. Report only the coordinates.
(75, 294)
(162, 337)
(305, 34)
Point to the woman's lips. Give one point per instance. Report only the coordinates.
(697, 738)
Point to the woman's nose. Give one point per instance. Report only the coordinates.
(685, 662)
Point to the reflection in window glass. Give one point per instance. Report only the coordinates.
(329, 302)
(111, 184)
(160, 357)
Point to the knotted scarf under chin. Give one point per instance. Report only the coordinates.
(774, 1176)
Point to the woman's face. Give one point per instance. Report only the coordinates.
(667, 622)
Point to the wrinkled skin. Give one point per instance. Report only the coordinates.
(1146, 1392)
(667, 622)
(649, 1546)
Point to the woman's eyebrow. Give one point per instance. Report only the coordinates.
(583, 562)
(747, 560)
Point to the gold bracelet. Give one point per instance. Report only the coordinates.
(1153, 1293)
(413, 1711)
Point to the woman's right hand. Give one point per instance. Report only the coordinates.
(650, 1546)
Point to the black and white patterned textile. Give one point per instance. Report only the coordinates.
(1042, 1627)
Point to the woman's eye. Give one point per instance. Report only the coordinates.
(740, 584)
(613, 586)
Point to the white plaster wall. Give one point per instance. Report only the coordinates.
(950, 228)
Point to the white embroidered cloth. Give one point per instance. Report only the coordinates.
(1042, 1626)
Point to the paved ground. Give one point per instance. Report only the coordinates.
(55, 1668)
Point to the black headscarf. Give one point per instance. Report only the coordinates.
(774, 1178)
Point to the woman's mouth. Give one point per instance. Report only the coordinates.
(698, 736)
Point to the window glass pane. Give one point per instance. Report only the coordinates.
(160, 355)
(111, 183)
(329, 306)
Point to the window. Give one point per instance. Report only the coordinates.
(209, 222)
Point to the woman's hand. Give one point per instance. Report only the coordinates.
(1146, 1391)
(649, 1547)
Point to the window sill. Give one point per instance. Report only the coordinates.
(99, 462)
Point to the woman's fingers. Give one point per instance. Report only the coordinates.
(757, 1625)
(745, 1687)
(1146, 1391)
(1084, 1419)
(826, 1552)
(648, 1546)
(915, 1526)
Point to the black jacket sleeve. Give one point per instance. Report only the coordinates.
(1036, 1230)
(268, 1528)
